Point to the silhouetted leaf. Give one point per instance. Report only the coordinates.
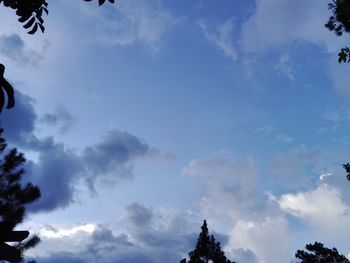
(29, 23)
(34, 29)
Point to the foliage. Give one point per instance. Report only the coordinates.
(13, 195)
(347, 169)
(30, 12)
(339, 22)
(5, 86)
(320, 254)
(207, 249)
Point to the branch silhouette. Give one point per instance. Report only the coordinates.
(5, 86)
(30, 12)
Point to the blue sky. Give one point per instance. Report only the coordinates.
(141, 119)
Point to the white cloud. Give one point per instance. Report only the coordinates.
(281, 22)
(282, 138)
(319, 205)
(262, 238)
(284, 67)
(323, 211)
(220, 37)
(132, 22)
(60, 233)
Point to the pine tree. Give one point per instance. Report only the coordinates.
(13, 195)
(320, 254)
(207, 249)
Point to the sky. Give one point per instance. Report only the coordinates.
(141, 119)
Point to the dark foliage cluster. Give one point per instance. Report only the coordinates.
(206, 249)
(13, 195)
(317, 253)
(5, 86)
(30, 12)
(347, 169)
(339, 22)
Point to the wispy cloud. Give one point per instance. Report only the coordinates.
(132, 22)
(284, 67)
(273, 24)
(221, 37)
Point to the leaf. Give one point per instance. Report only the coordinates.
(29, 23)
(34, 29)
(2, 99)
(42, 28)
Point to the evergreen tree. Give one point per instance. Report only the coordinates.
(207, 249)
(13, 195)
(320, 254)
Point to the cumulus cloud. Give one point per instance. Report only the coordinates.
(158, 241)
(320, 204)
(58, 169)
(261, 237)
(220, 37)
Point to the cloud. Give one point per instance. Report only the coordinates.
(114, 154)
(284, 67)
(220, 37)
(324, 212)
(265, 131)
(16, 131)
(274, 25)
(227, 186)
(261, 237)
(132, 22)
(241, 255)
(282, 138)
(319, 204)
(57, 169)
(13, 47)
(300, 167)
(60, 118)
(139, 215)
(165, 238)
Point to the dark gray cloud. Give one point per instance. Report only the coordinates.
(113, 156)
(57, 168)
(13, 47)
(19, 122)
(60, 118)
(139, 215)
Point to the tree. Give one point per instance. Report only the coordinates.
(13, 195)
(30, 12)
(347, 169)
(317, 253)
(339, 22)
(207, 249)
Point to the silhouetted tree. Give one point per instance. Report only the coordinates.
(5, 86)
(339, 22)
(30, 12)
(347, 169)
(317, 253)
(13, 195)
(206, 249)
